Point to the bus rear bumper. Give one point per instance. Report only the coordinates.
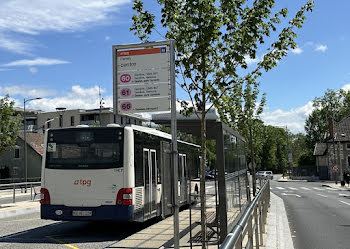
(101, 213)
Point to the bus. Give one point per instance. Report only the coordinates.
(114, 173)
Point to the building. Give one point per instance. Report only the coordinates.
(71, 118)
(12, 164)
(335, 151)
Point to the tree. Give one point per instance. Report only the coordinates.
(213, 40)
(9, 124)
(335, 104)
(242, 113)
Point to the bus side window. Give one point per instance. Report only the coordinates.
(138, 166)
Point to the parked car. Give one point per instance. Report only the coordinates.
(264, 175)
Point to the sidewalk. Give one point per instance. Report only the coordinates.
(278, 235)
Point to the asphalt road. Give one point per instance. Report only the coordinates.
(29, 231)
(319, 216)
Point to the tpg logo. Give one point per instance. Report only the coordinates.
(83, 182)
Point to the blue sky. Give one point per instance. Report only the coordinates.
(61, 50)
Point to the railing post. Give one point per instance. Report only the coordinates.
(14, 193)
(257, 230)
(250, 232)
(31, 192)
(261, 225)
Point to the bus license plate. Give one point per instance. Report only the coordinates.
(82, 213)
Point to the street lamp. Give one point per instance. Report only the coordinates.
(25, 138)
(48, 121)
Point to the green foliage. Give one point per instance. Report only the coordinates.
(213, 39)
(307, 159)
(9, 124)
(273, 153)
(334, 104)
(298, 146)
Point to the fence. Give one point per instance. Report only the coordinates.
(248, 232)
(19, 180)
(23, 187)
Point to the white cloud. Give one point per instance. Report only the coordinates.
(250, 61)
(107, 38)
(22, 17)
(33, 70)
(296, 51)
(26, 91)
(294, 119)
(54, 15)
(36, 62)
(321, 48)
(346, 87)
(78, 98)
(15, 45)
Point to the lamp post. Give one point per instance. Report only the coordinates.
(46, 122)
(25, 138)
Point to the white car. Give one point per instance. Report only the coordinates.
(264, 174)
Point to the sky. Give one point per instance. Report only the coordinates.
(61, 51)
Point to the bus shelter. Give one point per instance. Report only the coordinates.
(232, 191)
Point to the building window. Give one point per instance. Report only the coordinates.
(15, 171)
(348, 146)
(129, 121)
(72, 120)
(17, 153)
(61, 121)
(121, 120)
(135, 121)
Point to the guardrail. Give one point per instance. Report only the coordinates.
(251, 223)
(23, 186)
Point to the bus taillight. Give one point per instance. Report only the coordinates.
(45, 196)
(124, 197)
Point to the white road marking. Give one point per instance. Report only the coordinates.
(318, 188)
(331, 189)
(345, 203)
(280, 188)
(292, 188)
(322, 195)
(343, 195)
(291, 194)
(305, 188)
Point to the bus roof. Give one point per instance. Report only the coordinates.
(143, 129)
(158, 133)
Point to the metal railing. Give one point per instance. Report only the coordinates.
(251, 223)
(23, 187)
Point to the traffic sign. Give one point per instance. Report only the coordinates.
(335, 168)
(142, 79)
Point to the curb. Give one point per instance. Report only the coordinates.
(18, 211)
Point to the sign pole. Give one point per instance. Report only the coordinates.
(174, 144)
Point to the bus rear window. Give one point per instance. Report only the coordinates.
(84, 149)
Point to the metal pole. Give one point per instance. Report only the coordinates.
(174, 144)
(14, 194)
(25, 144)
(340, 163)
(252, 159)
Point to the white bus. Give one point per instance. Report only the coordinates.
(113, 173)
